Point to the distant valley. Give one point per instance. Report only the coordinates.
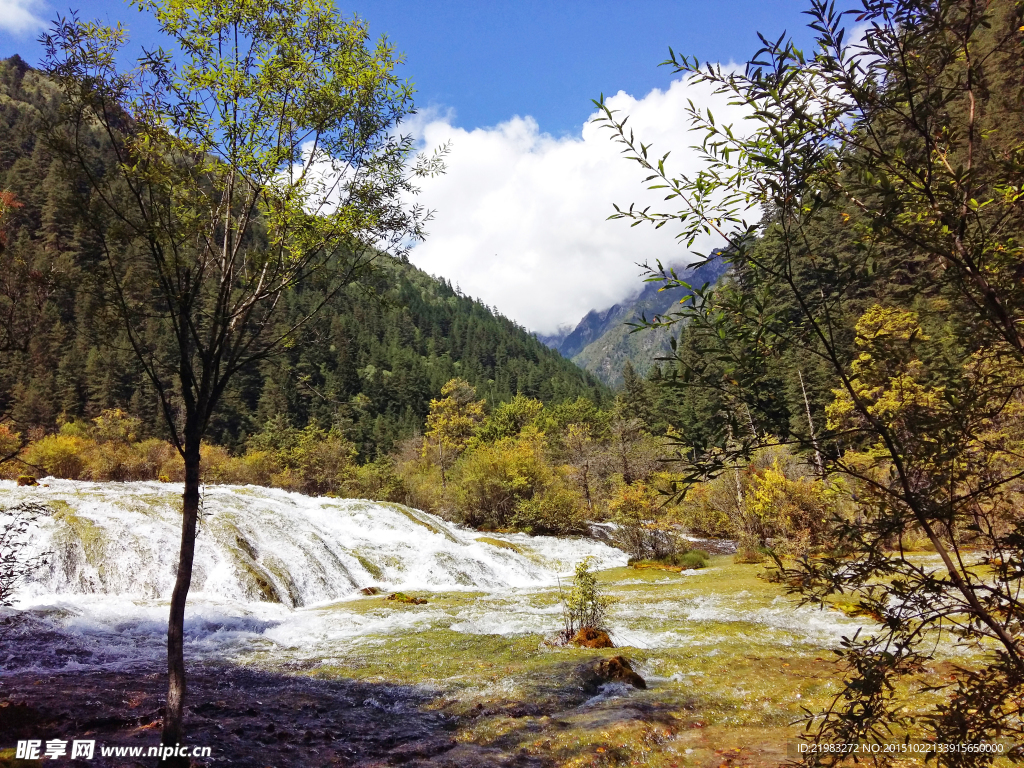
(603, 340)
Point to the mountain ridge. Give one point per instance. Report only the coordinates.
(603, 340)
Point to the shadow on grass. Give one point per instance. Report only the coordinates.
(255, 718)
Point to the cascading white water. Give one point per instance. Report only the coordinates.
(275, 573)
(268, 545)
(278, 574)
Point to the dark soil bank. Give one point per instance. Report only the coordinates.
(248, 718)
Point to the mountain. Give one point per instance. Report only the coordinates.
(369, 363)
(603, 341)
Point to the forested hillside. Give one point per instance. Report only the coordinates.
(369, 364)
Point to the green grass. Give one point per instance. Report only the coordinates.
(729, 663)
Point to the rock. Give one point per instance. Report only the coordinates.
(27, 480)
(656, 567)
(371, 591)
(617, 669)
(588, 637)
(401, 597)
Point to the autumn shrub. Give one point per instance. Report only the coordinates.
(422, 487)
(492, 481)
(145, 460)
(59, 455)
(711, 509)
(311, 460)
(641, 528)
(10, 444)
(772, 503)
(10, 441)
(258, 467)
(509, 419)
(324, 461)
(558, 509)
(115, 426)
(378, 480)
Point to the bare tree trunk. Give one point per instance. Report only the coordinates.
(586, 487)
(173, 730)
(819, 463)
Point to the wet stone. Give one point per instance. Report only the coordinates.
(617, 669)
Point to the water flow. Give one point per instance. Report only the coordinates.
(275, 574)
(267, 545)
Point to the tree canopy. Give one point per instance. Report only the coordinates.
(872, 212)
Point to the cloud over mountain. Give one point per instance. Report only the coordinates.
(521, 216)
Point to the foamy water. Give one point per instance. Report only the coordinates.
(270, 569)
(268, 545)
(278, 574)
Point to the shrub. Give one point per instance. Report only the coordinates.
(115, 426)
(324, 462)
(693, 558)
(127, 461)
(60, 455)
(258, 467)
(641, 530)
(748, 550)
(689, 559)
(492, 481)
(557, 509)
(10, 441)
(311, 460)
(378, 480)
(711, 509)
(510, 419)
(585, 606)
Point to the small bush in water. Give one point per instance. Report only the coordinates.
(585, 606)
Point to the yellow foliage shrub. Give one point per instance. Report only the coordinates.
(63, 456)
(557, 509)
(712, 508)
(494, 479)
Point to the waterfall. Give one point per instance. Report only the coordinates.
(268, 545)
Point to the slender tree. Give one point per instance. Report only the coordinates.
(451, 423)
(258, 157)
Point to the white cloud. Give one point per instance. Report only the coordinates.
(521, 216)
(21, 16)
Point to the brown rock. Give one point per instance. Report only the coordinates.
(401, 597)
(656, 567)
(370, 590)
(616, 669)
(27, 480)
(588, 637)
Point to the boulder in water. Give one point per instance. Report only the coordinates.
(27, 480)
(401, 597)
(617, 669)
(370, 590)
(588, 637)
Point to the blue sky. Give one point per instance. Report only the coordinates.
(492, 59)
(521, 214)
